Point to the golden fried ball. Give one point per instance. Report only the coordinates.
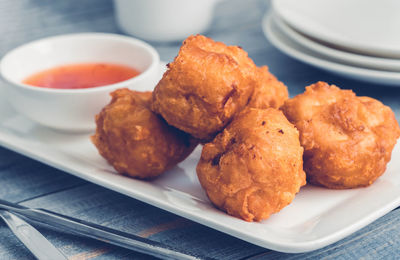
(206, 85)
(268, 90)
(254, 167)
(134, 140)
(347, 140)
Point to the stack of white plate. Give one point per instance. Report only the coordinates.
(355, 38)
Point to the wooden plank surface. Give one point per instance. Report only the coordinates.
(34, 184)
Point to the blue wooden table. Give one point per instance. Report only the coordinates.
(34, 184)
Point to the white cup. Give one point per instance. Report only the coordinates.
(164, 20)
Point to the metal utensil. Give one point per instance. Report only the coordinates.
(97, 232)
(40, 247)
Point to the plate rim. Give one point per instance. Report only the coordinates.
(363, 74)
(381, 51)
(343, 56)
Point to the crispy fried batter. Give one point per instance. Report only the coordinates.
(136, 141)
(254, 167)
(206, 85)
(347, 140)
(268, 90)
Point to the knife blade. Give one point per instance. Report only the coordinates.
(98, 232)
(40, 247)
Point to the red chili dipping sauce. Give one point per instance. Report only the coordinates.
(85, 75)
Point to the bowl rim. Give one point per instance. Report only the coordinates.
(155, 61)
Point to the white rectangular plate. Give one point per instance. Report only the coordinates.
(316, 218)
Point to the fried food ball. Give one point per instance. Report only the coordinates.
(254, 167)
(347, 140)
(136, 141)
(206, 85)
(268, 90)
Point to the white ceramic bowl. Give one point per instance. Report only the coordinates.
(162, 20)
(74, 110)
